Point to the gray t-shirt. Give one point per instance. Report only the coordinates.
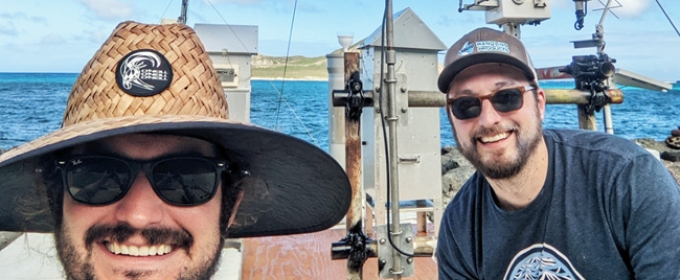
(608, 210)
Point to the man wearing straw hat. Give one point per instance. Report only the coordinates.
(148, 176)
(545, 204)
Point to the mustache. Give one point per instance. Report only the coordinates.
(496, 129)
(154, 236)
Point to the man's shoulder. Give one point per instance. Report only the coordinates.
(593, 142)
(464, 200)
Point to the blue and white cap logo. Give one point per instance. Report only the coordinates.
(143, 73)
(466, 49)
(483, 46)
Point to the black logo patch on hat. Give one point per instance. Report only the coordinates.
(143, 73)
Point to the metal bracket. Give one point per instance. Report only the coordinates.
(409, 159)
(401, 98)
(404, 241)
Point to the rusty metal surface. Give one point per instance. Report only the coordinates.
(550, 73)
(353, 169)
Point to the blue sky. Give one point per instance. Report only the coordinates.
(61, 36)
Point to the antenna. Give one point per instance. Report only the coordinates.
(183, 15)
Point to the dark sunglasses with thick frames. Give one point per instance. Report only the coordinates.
(180, 181)
(504, 100)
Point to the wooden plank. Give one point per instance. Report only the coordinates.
(308, 256)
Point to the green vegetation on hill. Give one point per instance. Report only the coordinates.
(298, 67)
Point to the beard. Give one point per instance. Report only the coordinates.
(496, 167)
(79, 266)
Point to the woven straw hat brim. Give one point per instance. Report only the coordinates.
(293, 186)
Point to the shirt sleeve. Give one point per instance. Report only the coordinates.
(451, 262)
(646, 206)
(455, 250)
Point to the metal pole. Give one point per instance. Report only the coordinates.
(607, 113)
(392, 119)
(353, 167)
(512, 29)
(336, 115)
(608, 126)
(183, 14)
(586, 121)
(604, 13)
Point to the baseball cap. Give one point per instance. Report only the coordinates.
(484, 45)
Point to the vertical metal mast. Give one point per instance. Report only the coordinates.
(183, 14)
(392, 119)
(599, 33)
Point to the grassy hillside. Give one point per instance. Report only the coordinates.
(299, 67)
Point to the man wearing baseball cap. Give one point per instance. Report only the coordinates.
(148, 176)
(545, 204)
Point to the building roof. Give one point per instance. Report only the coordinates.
(232, 38)
(409, 32)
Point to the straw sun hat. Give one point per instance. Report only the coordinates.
(159, 79)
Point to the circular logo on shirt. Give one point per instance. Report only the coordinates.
(541, 261)
(143, 73)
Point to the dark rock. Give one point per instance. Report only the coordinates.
(453, 180)
(675, 132)
(447, 150)
(448, 164)
(673, 142)
(671, 156)
(648, 143)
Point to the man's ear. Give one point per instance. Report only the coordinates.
(541, 102)
(234, 209)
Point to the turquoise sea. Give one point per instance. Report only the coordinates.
(32, 104)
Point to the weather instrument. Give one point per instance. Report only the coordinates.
(595, 76)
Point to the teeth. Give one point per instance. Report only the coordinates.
(495, 138)
(143, 251)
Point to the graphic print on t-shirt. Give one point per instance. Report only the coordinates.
(540, 261)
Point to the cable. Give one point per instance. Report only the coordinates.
(280, 92)
(581, 13)
(309, 133)
(668, 17)
(285, 65)
(166, 9)
(382, 120)
(229, 26)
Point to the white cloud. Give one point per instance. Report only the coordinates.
(8, 32)
(52, 39)
(109, 9)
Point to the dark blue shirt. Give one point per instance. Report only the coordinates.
(608, 210)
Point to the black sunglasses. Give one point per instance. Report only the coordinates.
(181, 181)
(505, 100)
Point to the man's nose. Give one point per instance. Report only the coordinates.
(488, 116)
(141, 206)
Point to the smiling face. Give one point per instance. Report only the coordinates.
(498, 144)
(140, 236)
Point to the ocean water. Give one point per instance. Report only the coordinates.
(32, 104)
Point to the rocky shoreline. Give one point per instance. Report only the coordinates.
(456, 169)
